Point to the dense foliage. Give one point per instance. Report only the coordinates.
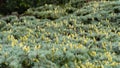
(51, 36)
(8, 6)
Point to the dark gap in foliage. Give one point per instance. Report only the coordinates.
(71, 23)
(8, 6)
(116, 10)
(51, 18)
(70, 11)
(16, 36)
(97, 38)
(89, 19)
(27, 63)
(96, 19)
(113, 30)
(85, 14)
(3, 65)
